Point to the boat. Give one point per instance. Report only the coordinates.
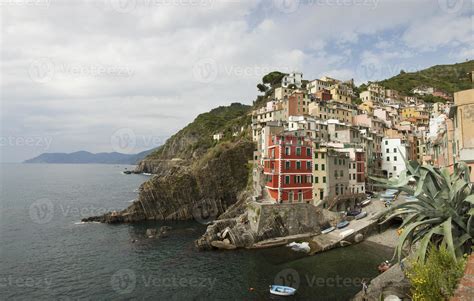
(299, 247)
(366, 202)
(146, 174)
(361, 215)
(346, 233)
(342, 224)
(281, 290)
(384, 266)
(353, 213)
(327, 230)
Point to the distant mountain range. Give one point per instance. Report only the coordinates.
(83, 157)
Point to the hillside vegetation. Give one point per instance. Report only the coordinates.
(448, 78)
(196, 138)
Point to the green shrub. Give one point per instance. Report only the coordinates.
(437, 278)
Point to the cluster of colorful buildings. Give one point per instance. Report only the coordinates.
(315, 145)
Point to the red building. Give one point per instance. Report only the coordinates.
(323, 95)
(297, 104)
(288, 169)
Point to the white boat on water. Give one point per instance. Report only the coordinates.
(366, 202)
(281, 290)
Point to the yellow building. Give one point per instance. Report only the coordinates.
(331, 110)
(367, 107)
(409, 112)
(341, 93)
(463, 116)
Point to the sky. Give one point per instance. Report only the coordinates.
(124, 75)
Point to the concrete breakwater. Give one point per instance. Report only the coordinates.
(266, 225)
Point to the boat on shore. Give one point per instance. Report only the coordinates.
(342, 224)
(361, 215)
(346, 233)
(327, 230)
(281, 290)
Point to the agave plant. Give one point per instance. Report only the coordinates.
(441, 214)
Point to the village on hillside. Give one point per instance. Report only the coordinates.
(317, 145)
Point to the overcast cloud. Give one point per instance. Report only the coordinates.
(85, 75)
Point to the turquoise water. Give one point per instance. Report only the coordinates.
(46, 254)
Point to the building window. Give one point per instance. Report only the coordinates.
(394, 158)
(287, 151)
(308, 152)
(386, 142)
(342, 173)
(388, 158)
(394, 168)
(287, 164)
(322, 156)
(315, 166)
(316, 155)
(287, 179)
(324, 179)
(316, 180)
(308, 165)
(321, 196)
(298, 164)
(387, 151)
(298, 151)
(323, 167)
(394, 150)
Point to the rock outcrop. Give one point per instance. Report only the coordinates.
(390, 283)
(200, 191)
(260, 222)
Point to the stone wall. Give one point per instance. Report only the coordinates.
(285, 219)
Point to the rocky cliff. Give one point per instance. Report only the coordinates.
(195, 176)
